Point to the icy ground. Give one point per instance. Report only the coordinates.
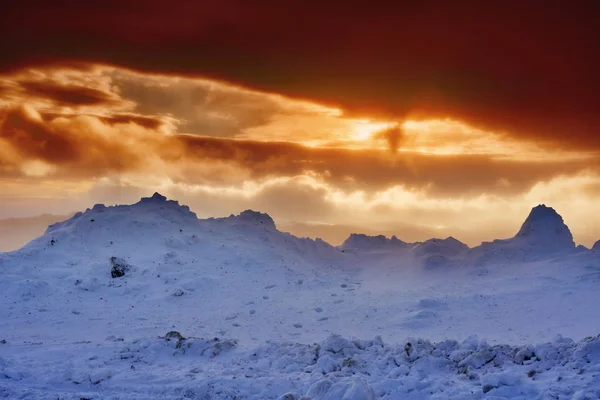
(85, 312)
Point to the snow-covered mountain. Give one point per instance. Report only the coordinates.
(148, 300)
(159, 224)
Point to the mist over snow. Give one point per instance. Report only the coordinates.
(147, 301)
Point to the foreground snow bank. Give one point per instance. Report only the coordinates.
(174, 367)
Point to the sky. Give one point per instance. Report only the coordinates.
(419, 119)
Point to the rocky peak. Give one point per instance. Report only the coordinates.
(365, 242)
(544, 226)
(156, 198)
(248, 218)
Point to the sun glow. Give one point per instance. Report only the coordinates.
(364, 129)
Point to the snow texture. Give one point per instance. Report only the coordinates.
(146, 301)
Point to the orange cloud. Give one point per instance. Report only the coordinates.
(83, 146)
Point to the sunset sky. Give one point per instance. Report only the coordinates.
(417, 118)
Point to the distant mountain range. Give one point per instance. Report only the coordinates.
(543, 235)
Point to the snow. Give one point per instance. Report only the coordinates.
(231, 307)
(336, 368)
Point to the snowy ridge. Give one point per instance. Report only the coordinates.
(446, 247)
(158, 222)
(361, 242)
(543, 235)
(248, 218)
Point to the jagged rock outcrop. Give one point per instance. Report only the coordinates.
(359, 241)
(247, 218)
(120, 267)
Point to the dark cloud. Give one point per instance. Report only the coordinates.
(145, 121)
(530, 70)
(393, 136)
(149, 122)
(63, 144)
(457, 175)
(33, 139)
(69, 95)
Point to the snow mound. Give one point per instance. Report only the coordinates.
(158, 223)
(120, 222)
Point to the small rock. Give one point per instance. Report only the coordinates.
(287, 396)
(173, 335)
(487, 388)
(119, 267)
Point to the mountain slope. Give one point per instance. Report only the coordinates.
(17, 232)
